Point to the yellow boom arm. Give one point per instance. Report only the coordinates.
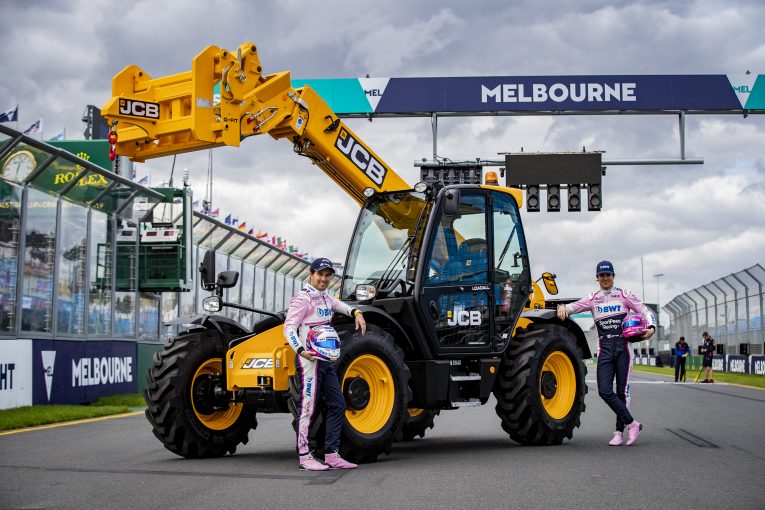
(175, 114)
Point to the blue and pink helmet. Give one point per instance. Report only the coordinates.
(323, 342)
(633, 325)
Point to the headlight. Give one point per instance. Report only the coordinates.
(420, 186)
(368, 192)
(365, 292)
(211, 304)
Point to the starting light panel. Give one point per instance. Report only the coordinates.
(554, 171)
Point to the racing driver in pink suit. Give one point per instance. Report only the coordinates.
(313, 307)
(609, 306)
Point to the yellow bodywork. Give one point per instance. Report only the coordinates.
(246, 361)
(178, 113)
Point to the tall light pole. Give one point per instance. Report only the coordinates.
(658, 312)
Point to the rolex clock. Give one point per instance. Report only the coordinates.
(19, 165)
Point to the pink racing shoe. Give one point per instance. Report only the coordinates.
(335, 461)
(633, 431)
(617, 439)
(308, 463)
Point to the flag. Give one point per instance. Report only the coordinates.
(215, 213)
(11, 115)
(234, 221)
(195, 205)
(273, 240)
(227, 221)
(36, 126)
(206, 207)
(261, 236)
(57, 137)
(251, 232)
(144, 181)
(243, 226)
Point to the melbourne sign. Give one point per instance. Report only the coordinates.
(70, 372)
(639, 93)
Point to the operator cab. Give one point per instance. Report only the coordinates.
(456, 252)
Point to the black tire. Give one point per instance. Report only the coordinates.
(359, 445)
(527, 414)
(419, 422)
(172, 411)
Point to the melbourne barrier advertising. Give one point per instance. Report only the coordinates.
(737, 364)
(701, 92)
(69, 372)
(757, 365)
(718, 363)
(15, 373)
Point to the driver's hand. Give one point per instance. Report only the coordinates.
(307, 355)
(562, 312)
(361, 323)
(648, 333)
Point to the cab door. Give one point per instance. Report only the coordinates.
(456, 299)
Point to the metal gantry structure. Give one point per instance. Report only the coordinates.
(730, 309)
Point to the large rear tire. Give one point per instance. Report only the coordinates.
(375, 382)
(540, 386)
(187, 415)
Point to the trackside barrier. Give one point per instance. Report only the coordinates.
(730, 363)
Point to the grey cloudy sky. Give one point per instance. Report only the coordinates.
(692, 223)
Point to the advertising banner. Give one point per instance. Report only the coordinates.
(737, 364)
(15, 373)
(476, 94)
(718, 363)
(757, 365)
(71, 372)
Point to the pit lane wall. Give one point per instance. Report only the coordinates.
(39, 372)
(731, 363)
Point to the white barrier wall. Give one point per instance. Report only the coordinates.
(15, 373)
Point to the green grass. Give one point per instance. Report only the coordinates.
(756, 381)
(32, 416)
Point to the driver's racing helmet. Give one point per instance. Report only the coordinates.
(323, 342)
(633, 325)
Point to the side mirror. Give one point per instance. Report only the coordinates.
(452, 202)
(549, 280)
(227, 279)
(207, 271)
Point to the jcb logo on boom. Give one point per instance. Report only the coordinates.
(464, 318)
(258, 363)
(361, 157)
(139, 108)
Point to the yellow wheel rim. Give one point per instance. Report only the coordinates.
(562, 389)
(381, 394)
(415, 411)
(217, 420)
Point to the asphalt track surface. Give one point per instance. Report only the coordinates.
(702, 447)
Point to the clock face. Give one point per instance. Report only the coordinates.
(19, 165)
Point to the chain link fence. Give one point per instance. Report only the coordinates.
(729, 308)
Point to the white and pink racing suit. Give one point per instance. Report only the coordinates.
(309, 308)
(609, 307)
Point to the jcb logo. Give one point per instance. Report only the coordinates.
(139, 108)
(361, 157)
(258, 363)
(464, 318)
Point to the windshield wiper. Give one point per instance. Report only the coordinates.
(394, 263)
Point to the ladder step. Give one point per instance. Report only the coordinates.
(473, 402)
(471, 377)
